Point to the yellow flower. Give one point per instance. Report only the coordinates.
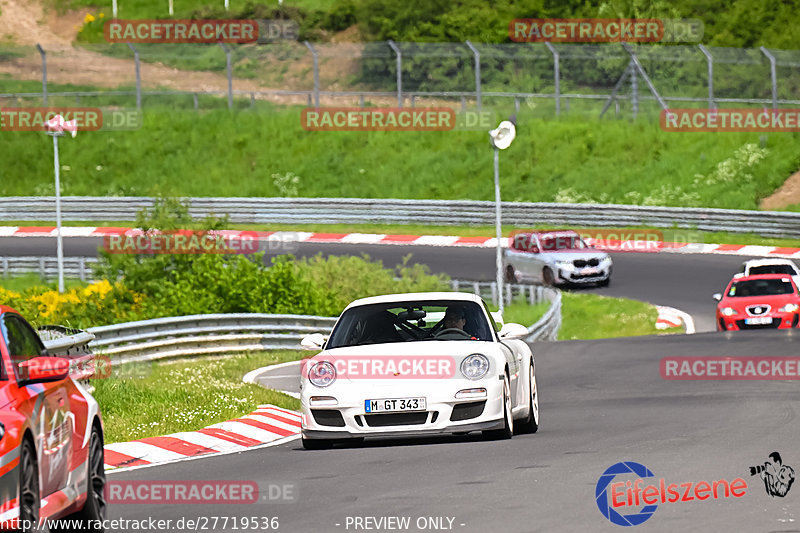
(101, 15)
(88, 18)
(6, 295)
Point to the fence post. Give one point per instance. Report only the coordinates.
(226, 5)
(114, 8)
(710, 61)
(477, 55)
(399, 55)
(773, 74)
(557, 75)
(635, 93)
(44, 73)
(138, 76)
(613, 96)
(638, 66)
(230, 74)
(171, 10)
(315, 57)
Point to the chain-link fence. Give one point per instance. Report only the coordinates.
(551, 79)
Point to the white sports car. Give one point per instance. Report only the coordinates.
(417, 364)
(770, 266)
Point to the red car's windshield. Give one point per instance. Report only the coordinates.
(760, 287)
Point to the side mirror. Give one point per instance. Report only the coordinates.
(315, 341)
(43, 369)
(717, 296)
(512, 330)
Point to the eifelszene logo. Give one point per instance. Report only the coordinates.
(778, 477)
(614, 498)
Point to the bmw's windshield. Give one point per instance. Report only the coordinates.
(772, 269)
(760, 287)
(411, 321)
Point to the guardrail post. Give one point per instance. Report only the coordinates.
(229, 72)
(773, 74)
(44, 73)
(454, 284)
(114, 8)
(42, 269)
(399, 55)
(477, 55)
(710, 61)
(5, 267)
(315, 58)
(172, 8)
(138, 76)
(557, 75)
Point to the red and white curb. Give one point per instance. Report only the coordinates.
(419, 240)
(267, 424)
(669, 317)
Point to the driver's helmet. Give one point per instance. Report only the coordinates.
(455, 312)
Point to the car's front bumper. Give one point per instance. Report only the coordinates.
(737, 322)
(444, 413)
(577, 276)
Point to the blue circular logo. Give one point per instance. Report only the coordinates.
(602, 498)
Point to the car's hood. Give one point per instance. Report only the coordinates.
(573, 255)
(774, 301)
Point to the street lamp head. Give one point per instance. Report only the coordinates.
(503, 135)
(56, 126)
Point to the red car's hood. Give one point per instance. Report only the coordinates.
(774, 301)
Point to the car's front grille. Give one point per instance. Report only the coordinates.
(758, 310)
(585, 276)
(328, 417)
(396, 419)
(580, 263)
(465, 411)
(773, 325)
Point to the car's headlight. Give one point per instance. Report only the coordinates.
(606, 259)
(322, 374)
(475, 366)
(789, 308)
(728, 311)
(564, 263)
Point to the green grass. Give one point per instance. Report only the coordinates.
(144, 9)
(568, 160)
(590, 316)
(20, 283)
(186, 395)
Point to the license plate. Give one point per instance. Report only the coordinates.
(758, 321)
(393, 405)
(590, 271)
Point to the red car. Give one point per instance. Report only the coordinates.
(51, 435)
(758, 302)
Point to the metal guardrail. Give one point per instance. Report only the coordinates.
(47, 267)
(394, 211)
(547, 327)
(204, 334)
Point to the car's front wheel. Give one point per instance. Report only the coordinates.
(531, 424)
(29, 498)
(548, 278)
(508, 418)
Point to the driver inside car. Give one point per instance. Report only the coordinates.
(454, 318)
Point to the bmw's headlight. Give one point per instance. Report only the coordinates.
(728, 311)
(789, 308)
(564, 263)
(322, 374)
(606, 259)
(475, 366)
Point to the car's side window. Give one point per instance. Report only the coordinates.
(22, 342)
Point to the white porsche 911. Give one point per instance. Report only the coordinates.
(417, 364)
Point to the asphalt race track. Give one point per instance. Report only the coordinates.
(684, 281)
(601, 402)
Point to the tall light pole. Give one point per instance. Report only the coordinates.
(501, 138)
(55, 127)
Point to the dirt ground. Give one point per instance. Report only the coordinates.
(787, 194)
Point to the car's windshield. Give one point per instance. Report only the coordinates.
(772, 269)
(411, 321)
(760, 287)
(561, 242)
